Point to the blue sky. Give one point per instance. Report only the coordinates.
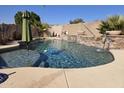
(61, 14)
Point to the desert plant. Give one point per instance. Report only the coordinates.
(104, 26)
(77, 20)
(112, 23)
(122, 26)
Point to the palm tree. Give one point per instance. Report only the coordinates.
(42, 28)
(18, 21)
(34, 18)
(112, 23)
(18, 18)
(104, 26)
(3, 39)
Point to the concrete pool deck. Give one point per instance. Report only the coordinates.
(105, 76)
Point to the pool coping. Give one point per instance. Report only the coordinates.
(6, 48)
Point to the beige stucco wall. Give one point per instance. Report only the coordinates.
(93, 26)
(57, 29)
(87, 29)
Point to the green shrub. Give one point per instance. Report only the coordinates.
(115, 22)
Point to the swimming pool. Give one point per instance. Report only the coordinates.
(56, 54)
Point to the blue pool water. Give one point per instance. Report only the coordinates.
(56, 54)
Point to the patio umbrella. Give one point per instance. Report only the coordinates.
(26, 29)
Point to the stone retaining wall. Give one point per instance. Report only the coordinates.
(117, 42)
